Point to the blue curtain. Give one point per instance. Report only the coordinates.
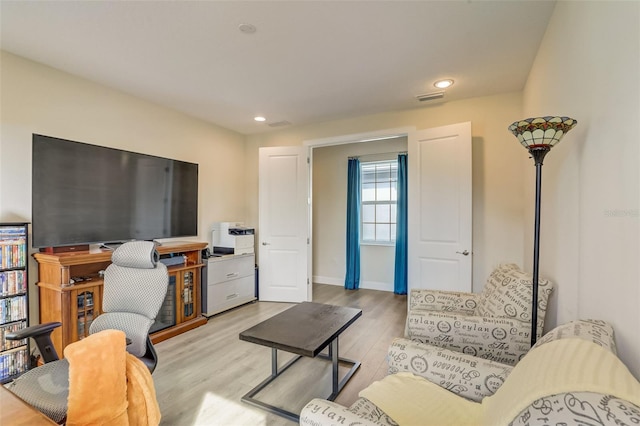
(352, 277)
(400, 276)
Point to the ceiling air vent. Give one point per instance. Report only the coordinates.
(430, 96)
(279, 124)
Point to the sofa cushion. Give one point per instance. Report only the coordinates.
(412, 400)
(508, 293)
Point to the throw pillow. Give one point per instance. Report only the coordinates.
(508, 294)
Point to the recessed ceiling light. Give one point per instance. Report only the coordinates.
(443, 84)
(258, 118)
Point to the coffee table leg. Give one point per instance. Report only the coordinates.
(274, 362)
(249, 397)
(334, 357)
(333, 352)
(336, 383)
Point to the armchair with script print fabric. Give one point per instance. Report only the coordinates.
(476, 378)
(494, 325)
(571, 376)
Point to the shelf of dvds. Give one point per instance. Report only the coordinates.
(14, 299)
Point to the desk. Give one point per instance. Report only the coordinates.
(16, 412)
(305, 329)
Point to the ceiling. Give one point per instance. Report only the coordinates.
(307, 61)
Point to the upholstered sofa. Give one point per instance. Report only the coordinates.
(571, 376)
(494, 324)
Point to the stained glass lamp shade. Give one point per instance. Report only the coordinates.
(541, 133)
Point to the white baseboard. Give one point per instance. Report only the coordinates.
(370, 285)
(328, 280)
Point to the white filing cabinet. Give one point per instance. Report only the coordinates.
(230, 283)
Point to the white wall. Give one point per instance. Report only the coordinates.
(497, 168)
(588, 67)
(38, 99)
(377, 262)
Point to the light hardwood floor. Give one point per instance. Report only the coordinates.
(202, 374)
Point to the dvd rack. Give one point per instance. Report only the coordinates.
(14, 299)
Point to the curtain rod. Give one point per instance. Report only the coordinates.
(354, 157)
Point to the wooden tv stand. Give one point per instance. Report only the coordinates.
(76, 305)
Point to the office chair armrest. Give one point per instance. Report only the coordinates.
(41, 334)
(33, 331)
(150, 358)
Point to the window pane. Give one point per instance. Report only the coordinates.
(383, 172)
(383, 232)
(383, 191)
(368, 231)
(368, 192)
(382, 213)
(368, 175)
(378, 204)
(368, 213)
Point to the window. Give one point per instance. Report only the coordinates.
(378, 221)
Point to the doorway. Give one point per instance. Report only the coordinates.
(329, 177)
(328, 159)
(440, 175)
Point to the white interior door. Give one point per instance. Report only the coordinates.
(440, 213)
(284, 224)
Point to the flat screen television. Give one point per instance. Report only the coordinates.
(87, 194)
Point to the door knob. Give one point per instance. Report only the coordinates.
(265, 244)
(465, 253)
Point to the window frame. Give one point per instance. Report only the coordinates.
(393, 201)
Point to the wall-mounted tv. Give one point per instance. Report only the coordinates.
(85, 194)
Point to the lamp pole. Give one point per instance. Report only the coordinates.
(537, 152)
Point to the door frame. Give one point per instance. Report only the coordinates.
(364, 137)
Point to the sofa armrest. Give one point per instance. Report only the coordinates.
(597, 331)
(504, 340)
(466, 375)
(320, 412)
(443, 301)
(565, 408)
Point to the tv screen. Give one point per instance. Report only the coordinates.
(84, 194)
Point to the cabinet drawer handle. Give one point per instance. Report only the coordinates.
(232, 296)
(233, 274)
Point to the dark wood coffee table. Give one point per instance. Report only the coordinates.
(306, 330)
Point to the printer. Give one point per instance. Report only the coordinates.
(232, 238)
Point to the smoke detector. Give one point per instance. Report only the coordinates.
(247, 28)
